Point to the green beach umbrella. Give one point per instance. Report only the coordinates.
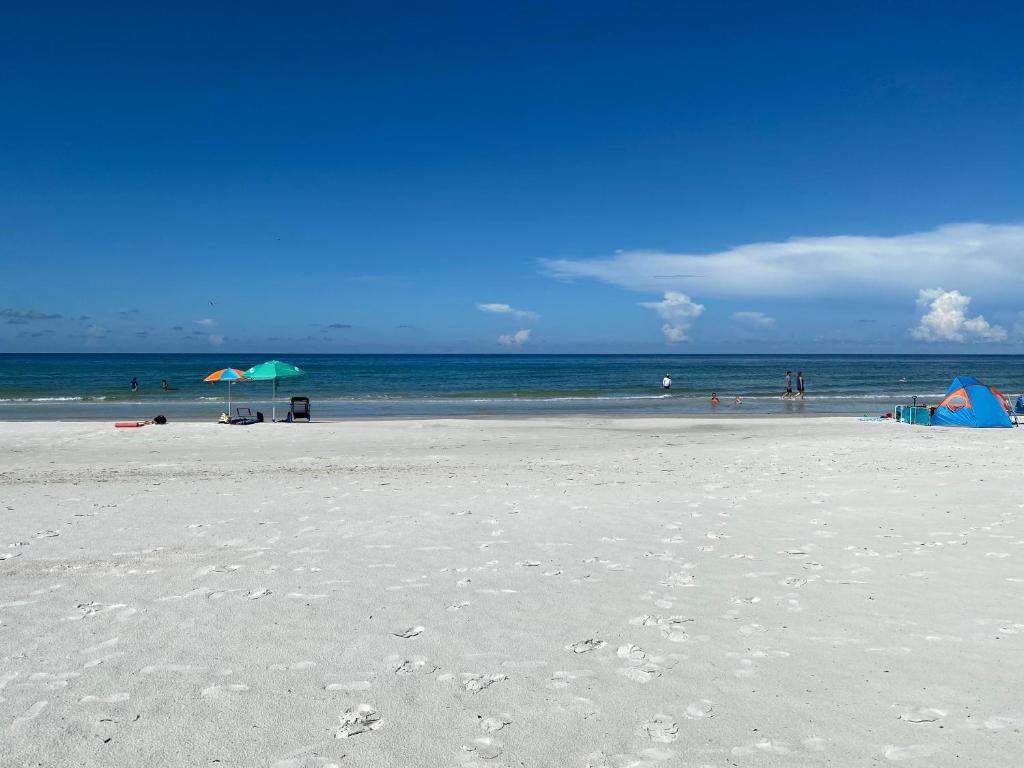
(272, 370)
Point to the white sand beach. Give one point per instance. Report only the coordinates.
(544, 593)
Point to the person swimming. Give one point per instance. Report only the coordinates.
(714, 398)
(738, 400)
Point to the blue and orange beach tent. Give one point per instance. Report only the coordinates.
(969, 403)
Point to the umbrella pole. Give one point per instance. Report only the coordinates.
(274, 416)
(229, 399)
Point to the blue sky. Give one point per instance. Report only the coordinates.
(670, 177)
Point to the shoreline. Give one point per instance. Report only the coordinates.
(489, 417)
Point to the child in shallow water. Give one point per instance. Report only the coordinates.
(714, 398)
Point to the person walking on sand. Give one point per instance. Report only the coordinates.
(800, 383)
(789, 384)
(666, 383)
(135, 384)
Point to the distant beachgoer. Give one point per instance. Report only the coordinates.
(714, 399)
(789, 384)
(800, 383)
(738, 400)
(666, 383)
(135, 384)
(164, 384)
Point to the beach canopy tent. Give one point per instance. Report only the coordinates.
(272, 370)
(969, 403)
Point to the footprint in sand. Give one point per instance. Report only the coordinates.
(767, 746)
(494, 723)
(640, 668)
(475, 683)
(257, 594)
(295, 665)
(114, 698)
(409, 633)
(457, 606)
(923, 715)
(699, 710)
(794, 582)
(662, 729)
(1000, 722)
(485, 748)
(910, 752)
(750, 629)
(216, 690)
(528, 563)
(415, 666)
(356, 720)
(586, 646)
(752, 600)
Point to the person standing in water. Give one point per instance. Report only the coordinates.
(789, 384)
(800, 383)
(714, 398)
(666, 383)
(135, 384)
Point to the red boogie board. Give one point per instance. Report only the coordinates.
(130, 424)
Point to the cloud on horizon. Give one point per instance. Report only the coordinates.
(516, 339)
(985, 260)
(680, 311)
(946, 319)
(505, 309)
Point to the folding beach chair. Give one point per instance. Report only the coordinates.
(300, 408)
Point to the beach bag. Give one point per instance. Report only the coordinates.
(161, 419)
(1018, 407)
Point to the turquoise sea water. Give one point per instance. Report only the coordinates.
(89, 386)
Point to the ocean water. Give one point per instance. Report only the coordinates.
(93, 386)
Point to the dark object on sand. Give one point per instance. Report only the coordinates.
(161, 419)
(243, 416)
(300, 408)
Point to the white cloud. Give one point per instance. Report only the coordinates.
(758, 320)
(984, 260)
(505, 309)
(516, 339)
(207, 323)
(216, 340)
(946, 319)
(679, 310)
